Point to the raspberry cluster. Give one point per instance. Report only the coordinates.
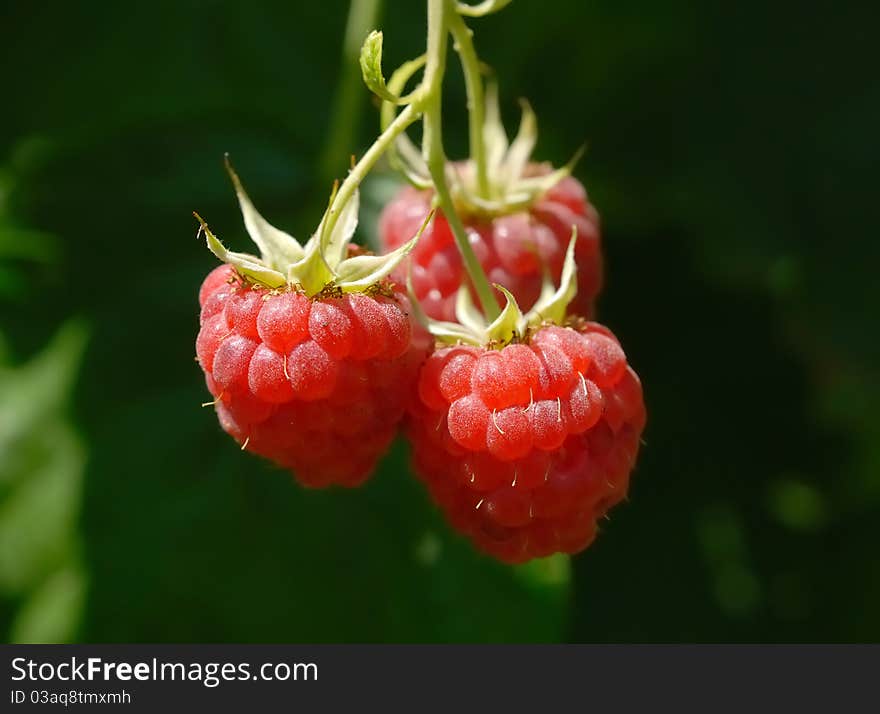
(524, 416)
(317, 385)
(525, 447)
(513, 249)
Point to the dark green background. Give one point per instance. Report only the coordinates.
(733, 156)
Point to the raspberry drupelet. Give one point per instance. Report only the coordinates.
(308, 350)
(513, 249)
(317, 385)
(526, 447)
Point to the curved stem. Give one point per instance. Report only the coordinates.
(427, 103)
(440, 13)
(409, 115)
(470, 65)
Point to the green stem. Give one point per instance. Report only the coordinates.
(409, 115)
(427, 103)
(440, 13)
(470, 65)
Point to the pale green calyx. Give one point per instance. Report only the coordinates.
(511, 325)
(514, 181)
(322, 263)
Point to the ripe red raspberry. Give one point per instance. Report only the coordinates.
(317, 385)
(525, 447)
(308, 349)
(512, 249)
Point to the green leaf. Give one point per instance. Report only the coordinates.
(40, 387)
(371, 67)
(26, 244)
(52, 614)
(41, 484)
(39, 512)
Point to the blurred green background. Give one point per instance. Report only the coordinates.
(732, 154)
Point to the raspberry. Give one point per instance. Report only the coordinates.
(318, 385)
(524, 448)
(512, 249)
(308, 349)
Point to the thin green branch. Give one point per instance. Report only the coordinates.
(470, 65)
(426, 103)
(440, 13)
(360, 170)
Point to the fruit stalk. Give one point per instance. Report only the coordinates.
(440, 14)
(360, 170)
(470, 65)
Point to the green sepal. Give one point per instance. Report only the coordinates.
(277, 248)
(467, 312)
(325, 252)
(334, 246)
(248, 265)
(322, 262)
(448, 332)
(451, 333)
(510, 188)
(408, 160)
(494, 135)
(552, 305)
(520, 150)
(509, 324)
(361, 271)
(542, 184)
(312, 272)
